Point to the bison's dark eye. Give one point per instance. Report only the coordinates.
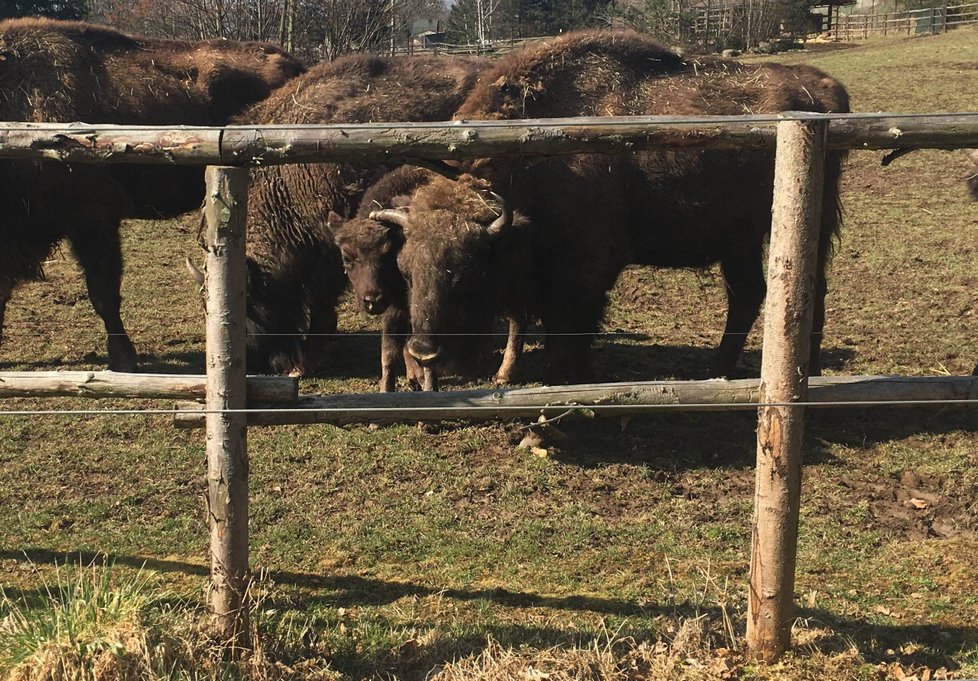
(348, 260)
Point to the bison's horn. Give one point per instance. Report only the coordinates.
(399, 217)
(195, 271)
(505, 218)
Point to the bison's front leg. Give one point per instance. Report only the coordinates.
(430, 383)
(394, 330)
(570, 332)
(513, 351)
(744, 277)
(314, 348)
(96, 245)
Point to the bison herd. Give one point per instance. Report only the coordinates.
(441, 257)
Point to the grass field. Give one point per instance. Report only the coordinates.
(447, 552)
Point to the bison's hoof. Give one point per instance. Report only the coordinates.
(504, 378)
(122, 357)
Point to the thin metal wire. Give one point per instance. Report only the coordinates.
(347, 334)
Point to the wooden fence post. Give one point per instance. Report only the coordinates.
(798, 183)
(227, 449)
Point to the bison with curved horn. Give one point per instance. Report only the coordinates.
(295, 275)
(591, 215)
(52, 71)
(370, 245)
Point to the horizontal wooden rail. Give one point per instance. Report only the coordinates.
(276, 389)
(380, 142)
(608, 399)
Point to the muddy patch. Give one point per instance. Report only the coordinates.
(917, 505)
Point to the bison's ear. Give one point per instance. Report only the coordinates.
(402, 201)
(334, 220)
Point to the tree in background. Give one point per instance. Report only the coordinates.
(746, 23)
(313, 29)
(461, 27)
(510, 19)
(56, 9)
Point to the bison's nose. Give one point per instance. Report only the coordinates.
(374, 303)
(423, 350)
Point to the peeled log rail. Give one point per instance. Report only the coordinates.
(458, 140)
(602, 399)
(114, 384)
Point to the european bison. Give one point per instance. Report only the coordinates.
(432, 234)
(54, 71)
(368, 250)
(591, 215)
(370, 245)
(294, 268)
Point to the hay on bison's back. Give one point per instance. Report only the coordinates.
(59, 71)
(366, 88)
(353, 89)
(614, 73)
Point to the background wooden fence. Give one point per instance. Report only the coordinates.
(926, 21)
(800, 141)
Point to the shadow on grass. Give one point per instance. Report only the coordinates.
(681, 441)
(357, 356)
(909, 644)
(334, 591)
(916, 645)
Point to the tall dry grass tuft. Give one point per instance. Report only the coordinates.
(689, 655)
(88, 624)
(96, 623)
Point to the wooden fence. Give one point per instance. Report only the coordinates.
(800, 141)
(927, 21)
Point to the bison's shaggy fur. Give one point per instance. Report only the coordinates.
(455, 249)
(295, 275)
(590, 216)
(55, 71)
